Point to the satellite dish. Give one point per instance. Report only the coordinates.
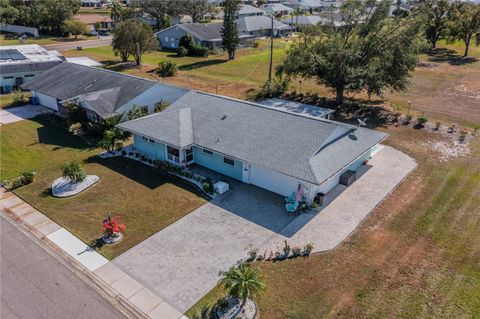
(361, 123)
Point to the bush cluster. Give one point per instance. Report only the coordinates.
(25, 179)
(186, 46)
(166, 69)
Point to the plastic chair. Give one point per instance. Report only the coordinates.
(292, 207)
(290, 199)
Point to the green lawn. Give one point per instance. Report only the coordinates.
(416, 256)
(6, 100)
(146, 199)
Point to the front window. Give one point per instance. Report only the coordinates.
(229, 161)
(173, 154)
(189, 155)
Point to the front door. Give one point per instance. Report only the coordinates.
(189, 155)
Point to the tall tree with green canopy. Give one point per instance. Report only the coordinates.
(59, 11)
(229, 28)
(243, 282)
(75, 27)
(8, 13)
(158, 9)
(117, 12)
(371, 51)
(197, 9)
(133, 37)
(464, 23)
(434, 15)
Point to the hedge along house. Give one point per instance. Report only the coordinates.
(269, 148)
(101, 93)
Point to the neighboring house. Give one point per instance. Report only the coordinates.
(206, 34)
(100, 92)
(91, 19)
(277, 9)
(303, 20)
(95, 3)
(312, 5)
(19, 30)
(22, 63)
(247, 10)
(181, 19)
(260, 26)
(272, 149)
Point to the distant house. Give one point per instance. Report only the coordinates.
(312, 5)
(303, 20)
(277, 9)
(19, 30)
(260, 26)
(95, 3)
(101, 93)
(22, 63)
(92, 19)
(276, 150)
(247, 10)
(206, 34)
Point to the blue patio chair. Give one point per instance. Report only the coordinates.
(291, 198)
(292, 207)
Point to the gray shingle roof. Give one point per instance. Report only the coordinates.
(255, 23)
(68, 80)
(276, 140)
(303, 20)
(248, 9)
(203, 31)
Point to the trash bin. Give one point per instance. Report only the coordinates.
(319, 199)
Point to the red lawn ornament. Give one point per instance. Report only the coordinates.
(112, 226)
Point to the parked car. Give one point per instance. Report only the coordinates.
(103, 33)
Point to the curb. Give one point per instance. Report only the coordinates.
(116, 299)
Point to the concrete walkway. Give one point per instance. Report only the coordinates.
(15, 114)
(329, 227)
(140, 298)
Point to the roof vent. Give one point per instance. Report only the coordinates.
(224, 116)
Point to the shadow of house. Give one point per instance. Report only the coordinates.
(449, 56)
(145, 175)
(200, 64)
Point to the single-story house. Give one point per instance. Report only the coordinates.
(247, 10)
(277, 9)
(303, 20)
(273, 149)
(101, 93)
(206, 34)
(91, 19)
(22, 63)
(19, 30)
(259, 26)
(95, 3)
(313, 5)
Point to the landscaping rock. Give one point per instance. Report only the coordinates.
(232, 310)
(64, 187)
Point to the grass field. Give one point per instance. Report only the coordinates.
(146, 199)
(443, 87)
(42, 40)
(416, 256)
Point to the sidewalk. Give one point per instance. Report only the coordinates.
(140, 301)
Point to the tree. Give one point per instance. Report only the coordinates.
(371, 52)
(8, 13)
(137, 111)
(243, 282)
(73, 171)
(464, 23)
(229, 28)
(75, 27)
(434, 14)
(133, 37)
(117, 12)
(158, 9)
(197, 9)
(58, 11)
(110, 139)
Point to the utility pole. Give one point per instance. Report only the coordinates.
(271, 51)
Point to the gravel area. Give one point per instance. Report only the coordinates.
(64, 187)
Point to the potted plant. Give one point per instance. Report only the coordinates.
(112, 229)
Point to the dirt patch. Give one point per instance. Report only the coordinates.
(449, 149)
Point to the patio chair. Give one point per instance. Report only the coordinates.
(291, 198)
(292, 207)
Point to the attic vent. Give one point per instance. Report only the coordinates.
(224, 116)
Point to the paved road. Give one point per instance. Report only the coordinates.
(35, 285)
(103, 41)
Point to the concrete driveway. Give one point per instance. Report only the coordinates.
(182, 262)
(15, 114)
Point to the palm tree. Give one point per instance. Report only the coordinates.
(243, 282)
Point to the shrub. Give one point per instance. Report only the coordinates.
(296, 251)
(207, 185)
(186, 41)
(124, 152)
(17, 183)
(28, 177)
(73, 171)
(137, 111)
(308, 249)
(422, 120)
(274, 88)
(182, 51)
(166, 69)
(19, 97)
(75, 128)
(256, 44)
(198, 50)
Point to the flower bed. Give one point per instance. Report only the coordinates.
(229, 308)
(64, 187)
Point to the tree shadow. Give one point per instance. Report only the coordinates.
(449, 56)
(117, 66)
(201, 64)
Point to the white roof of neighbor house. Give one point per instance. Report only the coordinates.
(276, 7)
(24, 58)
(307, 110)
(83, 60)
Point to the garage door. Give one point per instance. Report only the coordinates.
(47, 101)
(275, 182)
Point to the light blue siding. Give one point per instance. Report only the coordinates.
(155, 150)
(215, 162)
(355, 165)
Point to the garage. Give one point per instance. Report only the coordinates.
(275, 182)
(46, 100)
